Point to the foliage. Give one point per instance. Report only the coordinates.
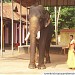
(67, 17)
(6, 1)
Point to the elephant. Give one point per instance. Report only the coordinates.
(38, 18)
(44, 45)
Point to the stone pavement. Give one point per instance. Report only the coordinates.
(17, 64)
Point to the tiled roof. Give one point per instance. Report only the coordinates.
(47, 2)
(7, 11)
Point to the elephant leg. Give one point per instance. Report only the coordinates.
(47, 51)
(41, 58)
(41, 53)
(47, 56)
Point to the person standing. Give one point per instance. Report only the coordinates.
(71, 53)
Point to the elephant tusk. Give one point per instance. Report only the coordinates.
(38, 35)
(27, 36)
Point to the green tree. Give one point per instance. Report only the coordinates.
(6, 1)
(67, 17)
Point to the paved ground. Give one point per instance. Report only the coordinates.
(18, 64)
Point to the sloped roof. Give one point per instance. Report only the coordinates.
(7, 11)
(47, 2)
(26, 2)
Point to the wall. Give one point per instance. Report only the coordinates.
(65, 36)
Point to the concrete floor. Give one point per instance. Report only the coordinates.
(18, 64)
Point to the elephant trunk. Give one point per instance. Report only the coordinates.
(33, 32)
(32, 48)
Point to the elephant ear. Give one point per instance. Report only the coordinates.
(47, 18)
